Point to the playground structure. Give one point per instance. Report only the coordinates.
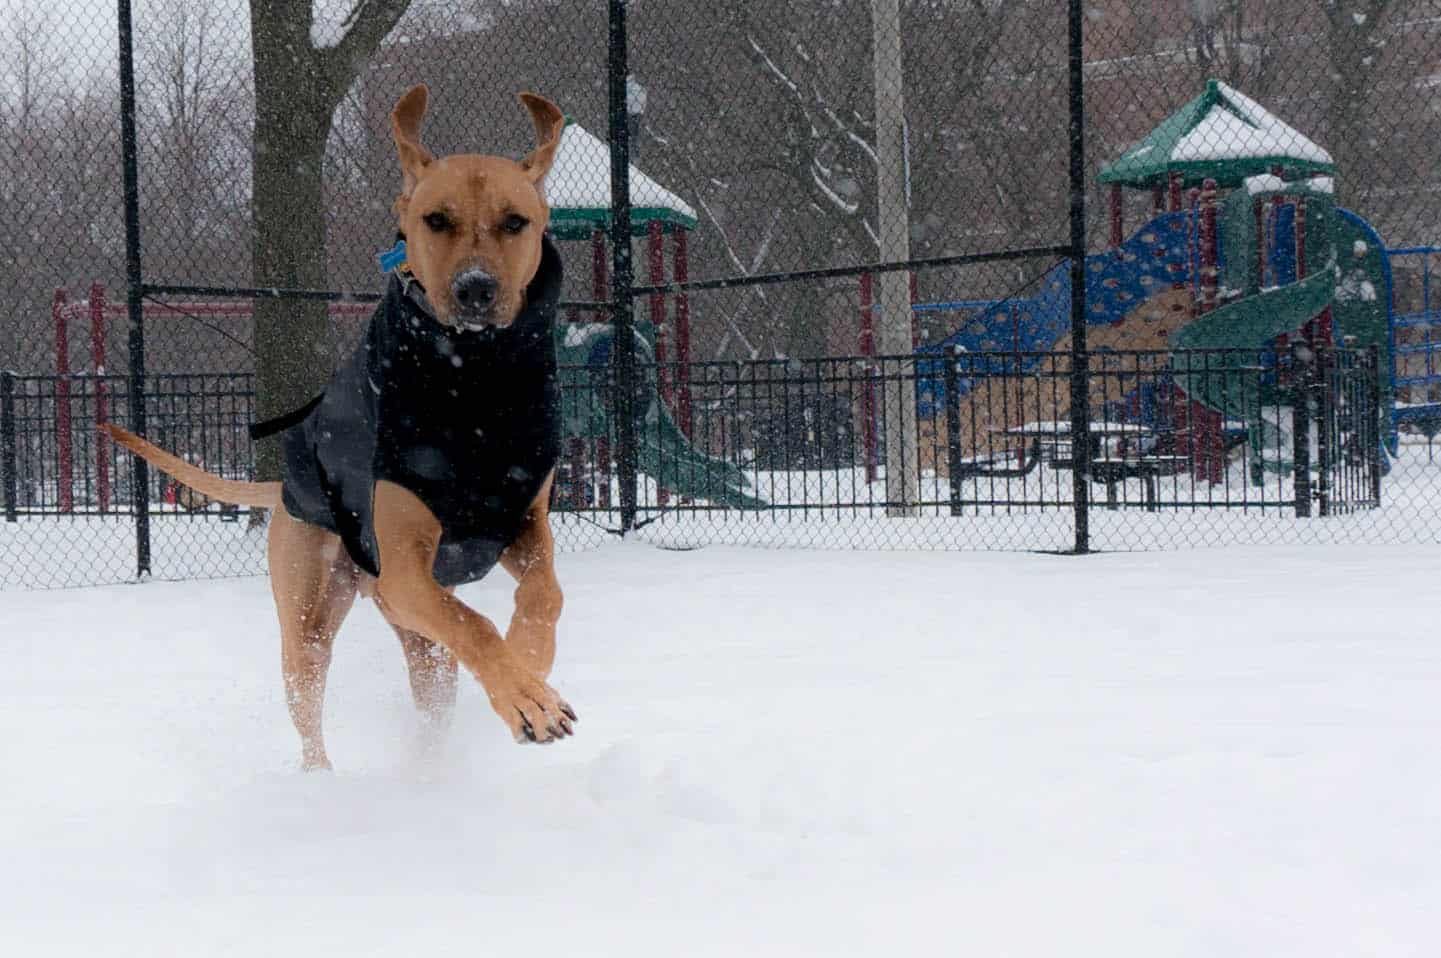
(579, 191)
(1245, 255)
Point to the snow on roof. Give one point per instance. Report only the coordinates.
(1265, 183)
(1222, 135)
(580, 178)
(1250, 131)
(1269, 183)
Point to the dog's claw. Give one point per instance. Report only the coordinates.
(534, 712)
(568, 712)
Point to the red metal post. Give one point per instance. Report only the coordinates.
(602, 472)
(65, 473)
(868, 389)
(656, 236)
(1300, 238)
(1276, 203)
(102, 411)
(1158, 201)
(1209, 247)
(1260, 208)
(597, 266)
(1318, 328)
(681, 268)
(1117, 223)
(1193, 246)
(1207, 447)
(1175, 183)
(600, 284)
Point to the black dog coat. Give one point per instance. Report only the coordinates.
(467, 421)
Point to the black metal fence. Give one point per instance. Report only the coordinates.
(776, 446)
(880, 260)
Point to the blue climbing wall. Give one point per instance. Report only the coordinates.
(1155, 258)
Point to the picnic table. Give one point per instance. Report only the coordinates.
(1117, 452)
(1053, 439)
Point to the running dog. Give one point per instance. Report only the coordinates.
(429, 457)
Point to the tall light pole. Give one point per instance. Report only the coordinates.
(893, 308)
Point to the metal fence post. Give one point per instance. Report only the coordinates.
(1301, 370)
(621, 293)
(1080, 387)
(9, 468)
(133, 277)
(951, 357)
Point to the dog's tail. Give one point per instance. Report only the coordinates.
(233, 491)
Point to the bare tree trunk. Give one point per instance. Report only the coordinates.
(291, 336)
(1354, 53)
(297, 89)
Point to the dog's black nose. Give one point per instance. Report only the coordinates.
(474, 289)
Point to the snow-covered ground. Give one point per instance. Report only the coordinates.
(780, 752)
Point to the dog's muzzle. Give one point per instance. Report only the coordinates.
(475, 292)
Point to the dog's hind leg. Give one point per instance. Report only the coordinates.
(433, 671)
(314, 583)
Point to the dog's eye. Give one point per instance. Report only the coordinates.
(437, 221)
(514, 223)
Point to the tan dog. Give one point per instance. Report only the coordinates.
(474, 228)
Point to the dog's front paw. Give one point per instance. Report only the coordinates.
(532, 710)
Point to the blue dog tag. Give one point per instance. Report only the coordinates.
(393, 258)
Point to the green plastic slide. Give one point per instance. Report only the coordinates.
(663, 452)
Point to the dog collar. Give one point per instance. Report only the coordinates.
(411, 289)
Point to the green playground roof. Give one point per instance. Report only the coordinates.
(1222, 135)
(578, 188)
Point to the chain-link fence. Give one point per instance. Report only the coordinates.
(884, 273)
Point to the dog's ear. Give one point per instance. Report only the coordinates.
(549, 122)
(405, 122)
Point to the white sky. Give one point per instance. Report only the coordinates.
(84, 35)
